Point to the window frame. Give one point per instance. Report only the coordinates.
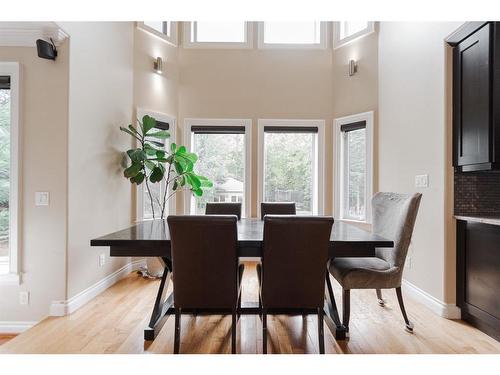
(338, 42)
(13, 69)
(170, 39)
(339, 175)
(247, 123)
(321, 45)
(171, 120)
(320, 124)
(247, 44)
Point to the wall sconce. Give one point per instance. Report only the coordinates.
(158, 65)
(353, 67)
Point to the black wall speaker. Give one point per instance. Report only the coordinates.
(46, 50)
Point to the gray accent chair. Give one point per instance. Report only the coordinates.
(394, 217)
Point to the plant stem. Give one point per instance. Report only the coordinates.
(150, 196)
(166, 189)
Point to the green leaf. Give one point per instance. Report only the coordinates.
(138, 179)
(149, 164)
(205, 182)
(162, 134)
(148, 123)
(129, 132)
(160, 154)
(156, 175)
(193, 180)
(178, 168)
(182, 180)
(181, 150)
(197, 192)
(191, 157)
(137, 155)
(175, 186)
(173, 147)
(150, 150)
(133, 170)
(134, 130)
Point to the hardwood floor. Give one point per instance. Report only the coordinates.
(114, 321)
(5, 338)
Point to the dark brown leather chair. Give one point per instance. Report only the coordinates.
(223, 209)
(277, 208)
(206, 274)
(293, 270)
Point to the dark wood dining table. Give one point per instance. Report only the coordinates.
(152, 239)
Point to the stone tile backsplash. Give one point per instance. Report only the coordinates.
(477, 194)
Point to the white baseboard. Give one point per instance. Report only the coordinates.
(62, 308)
(445, 310)
(15, 327)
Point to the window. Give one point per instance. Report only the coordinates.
(210, 34)
(291, 163)
(310, 34)
(9, 157)
(166, 30)
(144, 210)
(347, 31)
(224, 151)
(353, 171)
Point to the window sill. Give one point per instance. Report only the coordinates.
(10, 279)
(355, 221)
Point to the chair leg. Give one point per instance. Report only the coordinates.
(321, 335)
(264, 331)
(239, 305)
(409, 325)
(380, 299)
(177, 331)
(233, 332)
(346, 308)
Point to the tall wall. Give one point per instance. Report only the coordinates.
(414, 134)
(100, 100)
(44, 145)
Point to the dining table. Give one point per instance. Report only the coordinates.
(151, 238)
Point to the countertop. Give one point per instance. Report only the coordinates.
(493, 220)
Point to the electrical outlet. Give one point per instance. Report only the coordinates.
(24, 298)
(422, 180)
(42, 198)
(102, 260)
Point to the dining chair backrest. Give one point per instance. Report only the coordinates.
(204, 260)
(223, 209)
(394, 218)
(277, 208)
(295, 253)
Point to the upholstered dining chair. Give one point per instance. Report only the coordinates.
(292, 273)
(277, 208)
(223, 209)
(206, 274)
(393, 217)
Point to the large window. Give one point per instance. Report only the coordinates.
(166, 30)
(353, 176)
(283, 34)
(291, 163)
(212, 34)
(347, 31)
(9, 157)
(223, 151)
(144, 209)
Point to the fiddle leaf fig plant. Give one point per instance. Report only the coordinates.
(150, 163)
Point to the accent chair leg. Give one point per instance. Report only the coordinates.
(264, 331)
(409, 325)
(380, 299)
(321, 335)
(177, 331)
(346, 307)
(233, 332)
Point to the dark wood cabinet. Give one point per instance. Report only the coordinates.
(478, 275)
(476, 89)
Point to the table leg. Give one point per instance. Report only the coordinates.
(332, 318)
(162, 307)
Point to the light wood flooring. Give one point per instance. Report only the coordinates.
(114, 321)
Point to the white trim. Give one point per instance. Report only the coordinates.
(171, 120)
(247, 123)
(25, 34)
(337, 42)
(338, 167)
(445, 310)
(15, 327)
(62, 308)
(171, 39)
(13, 70)
(188, 43)
(321, 45)
(320, 156)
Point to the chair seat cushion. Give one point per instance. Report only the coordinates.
(364, 273)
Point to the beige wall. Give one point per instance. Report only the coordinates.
(44, 114)
(100, 100)
(414, 139)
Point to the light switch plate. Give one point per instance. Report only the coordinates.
(422, 180)
(24, 298)
(102, 260)
(42, 198)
